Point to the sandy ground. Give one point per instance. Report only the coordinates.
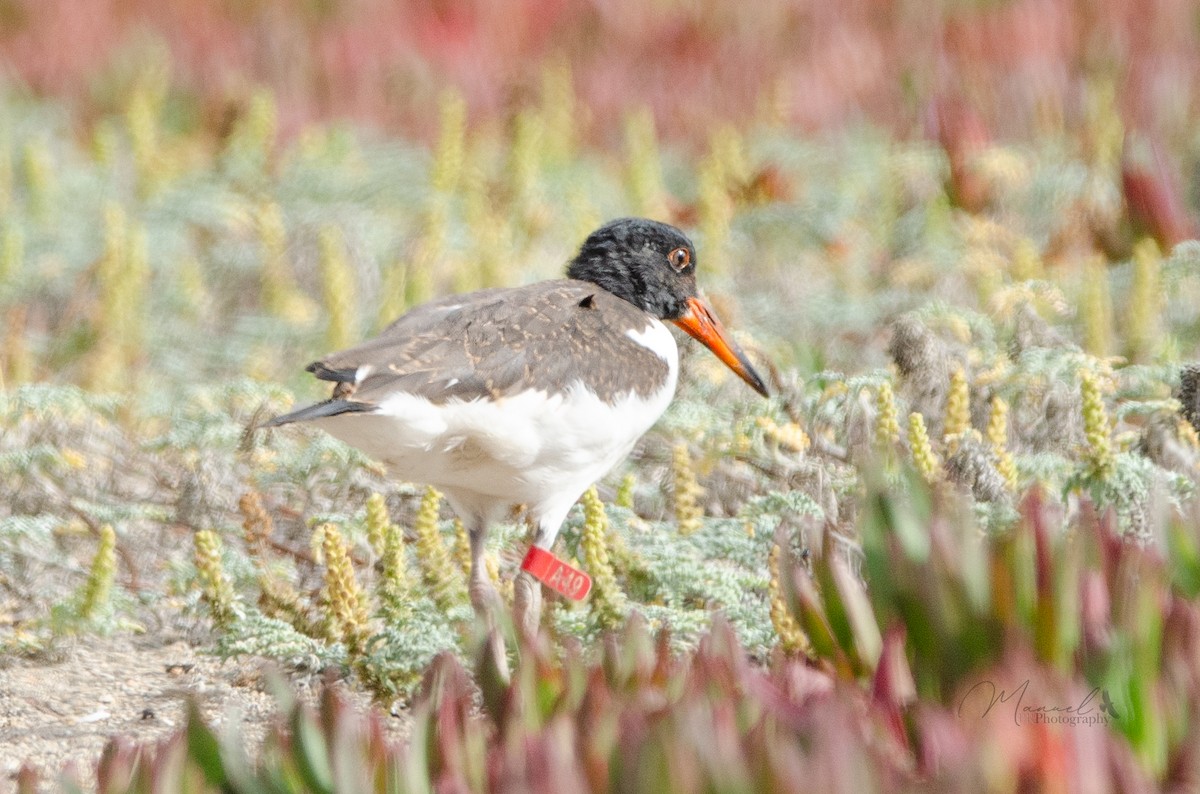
(60, 712)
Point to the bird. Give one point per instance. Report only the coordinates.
(530, 394)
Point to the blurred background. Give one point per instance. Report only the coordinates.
(231, 147)
(1018, 67)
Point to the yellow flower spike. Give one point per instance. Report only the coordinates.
(377, 523)
(624, 497)
(997, 436)
(394, 587)
(343, 600)
(141, 121)
(525, 161)
(217, 590)
(1104, 130)
(12, 250)
(958, 408)
(1143, 316)
(39, 176)
(607, 601)
(98, 587)
(503, 586)
(450, 154)
(559, 111)
(1096, 428)
(790, 436)
(688, 512)
(337, 282)
(644, 169)
(280, 295)
(1027, 262)
(1096, 310)
(887, 421)
(393, 293)
(922, 451)
(715, 208)
(16, 359)
(255, 133)
(6, 168)
(462, 547)
(791, 637)
(446, 587)
(122, 277)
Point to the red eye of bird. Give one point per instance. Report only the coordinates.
(680, 258)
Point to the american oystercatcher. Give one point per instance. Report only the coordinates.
(527, 395)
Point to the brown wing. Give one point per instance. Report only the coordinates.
(496, 342)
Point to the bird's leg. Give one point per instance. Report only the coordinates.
(484, 597)
(527, 590)
(527, 602)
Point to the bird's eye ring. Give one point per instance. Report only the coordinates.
(680, 258)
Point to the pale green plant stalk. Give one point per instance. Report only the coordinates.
(1027, 262)
(106, 143)
(958, 409)
(377, 523)
(688, 513)
(343, 600)
(887, 421)
(15, 356)
(997, 436)
(491, 250)
(450, 154)
(644, 165)
(141, 122)
(12, 250)
(791, 636)
(560, 112)
(1143, 317)
(607, 600)
(723, 169)
(525, 165)
(6, 168)
(462, 547)
(924, 458)
(337, 282)
(280, 295)
(215, 586)
(442, 577)
(254, 135)
(624, 496)
(38, 168)
(1096, 428)
(122, 277)
(97, 590)
(1096, 309)
(394, 588)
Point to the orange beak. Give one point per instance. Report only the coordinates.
(701, 324)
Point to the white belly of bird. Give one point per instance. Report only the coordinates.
(521, 448)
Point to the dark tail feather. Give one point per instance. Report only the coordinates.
(324, 372)
(320, 411)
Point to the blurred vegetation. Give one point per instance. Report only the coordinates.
(980, 463)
